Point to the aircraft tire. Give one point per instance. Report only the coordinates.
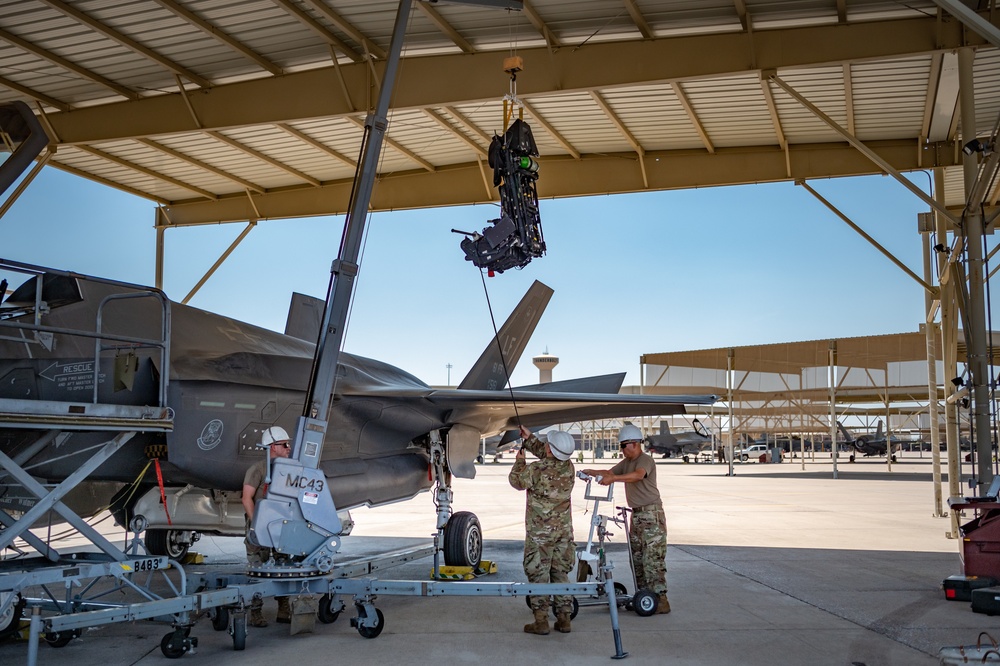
(463, 540)
(163, 542)
(852, 458)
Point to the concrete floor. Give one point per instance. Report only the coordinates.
(775, 565)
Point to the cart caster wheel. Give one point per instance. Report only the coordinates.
(174, 645)
(239, 632)
(325, 613)
(372, 632)
(576, 609)
(645, 602)
(60, 639)
(220, 618)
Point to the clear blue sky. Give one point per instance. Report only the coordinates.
(632, 274)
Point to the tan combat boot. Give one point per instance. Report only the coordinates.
(257, 617)
(562, 622)
(284, 611)
(541, 624)
(662, 605)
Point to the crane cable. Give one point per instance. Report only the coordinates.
(503, 358)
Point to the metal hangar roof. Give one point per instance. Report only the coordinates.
(228, 110)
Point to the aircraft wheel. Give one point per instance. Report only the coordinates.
(10, 620)
(893, 458)
(645, 603)
(852, 458)
(372, 632)
(463, 540)
(166, 542)
(220, 618)
(325, 613)
(240, 633)
(479, 460)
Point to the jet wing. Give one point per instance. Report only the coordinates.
(493, 411)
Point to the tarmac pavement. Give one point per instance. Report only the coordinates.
(775, 565)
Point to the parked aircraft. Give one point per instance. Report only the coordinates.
(226, 381)
(690, 443)
(495, 446)
(870, 445)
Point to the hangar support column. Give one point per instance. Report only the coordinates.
(972, 226)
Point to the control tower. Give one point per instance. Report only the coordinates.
(545, 362)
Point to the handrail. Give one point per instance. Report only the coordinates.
(163, 345)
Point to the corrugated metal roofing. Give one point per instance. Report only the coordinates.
(66, 56)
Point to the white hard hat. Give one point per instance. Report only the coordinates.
(561, 444)
(272, 435)
(629, 433)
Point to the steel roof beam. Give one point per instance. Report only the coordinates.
(59, 61)
(34, 94)
(128, 164)
(262, 157)
(149, 143)
(446, 28)
(639, 19)
(567, 177)
(457, 134)
(547, 126)
(613, 117)
(398, 147)
(217, 33)
(127, 42)
(692, 115)
(540, 26)
(345, 25)
(428, 81)
(307, 20)
(870, 154)
(315, 143)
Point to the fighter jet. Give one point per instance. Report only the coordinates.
(688, 444)
(93, 346)
(870, 446)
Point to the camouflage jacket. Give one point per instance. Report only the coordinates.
(548, 515)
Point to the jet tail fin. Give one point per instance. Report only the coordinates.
(878, 433)
(305, 316)
(488, 372)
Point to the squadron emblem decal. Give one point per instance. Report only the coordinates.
(211, 435)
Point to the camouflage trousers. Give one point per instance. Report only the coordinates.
(647, 539)
(257, 555)
(549, 562)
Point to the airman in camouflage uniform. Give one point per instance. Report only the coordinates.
(647, 536)
(549, 551)
(254, 490)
